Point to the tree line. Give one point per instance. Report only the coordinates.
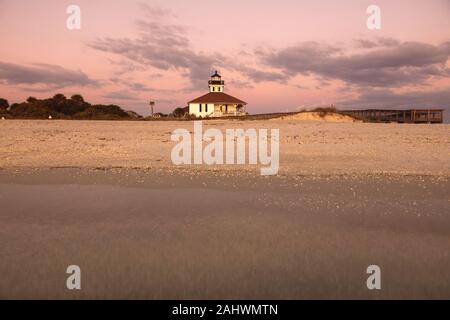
(76, 108)
(61, 107)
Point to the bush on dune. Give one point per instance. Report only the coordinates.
(323, 111)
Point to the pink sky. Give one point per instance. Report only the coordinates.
(276, 55)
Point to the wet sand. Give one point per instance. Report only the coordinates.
(153, 235)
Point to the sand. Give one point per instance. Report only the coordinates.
(105, 196)
(306, 148)
(317, 116)
(157, 236)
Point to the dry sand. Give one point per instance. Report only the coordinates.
(105, 196)
(305, 147)
(317, 116)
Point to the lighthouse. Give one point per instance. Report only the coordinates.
(216, 103)
(216, 84)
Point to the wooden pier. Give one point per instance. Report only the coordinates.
(400, 116)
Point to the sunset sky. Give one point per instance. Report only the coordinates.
(276, 55)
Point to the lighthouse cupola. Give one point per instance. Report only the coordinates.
(216, 84)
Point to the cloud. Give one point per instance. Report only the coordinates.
(411, 99)
(260, 75)
(125, 66)
(242, 84)
(50, 76)
(156, 13)
(161, 44)
(378, 42)
(131, 84)
(395, 65)
(122, 96)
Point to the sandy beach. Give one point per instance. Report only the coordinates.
(105, 196)
(306, 148)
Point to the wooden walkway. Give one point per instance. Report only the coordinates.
(400, 116)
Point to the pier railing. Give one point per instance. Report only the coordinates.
(400, 116)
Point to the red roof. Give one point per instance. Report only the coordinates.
(217, 97)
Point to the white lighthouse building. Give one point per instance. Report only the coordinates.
(216, 103)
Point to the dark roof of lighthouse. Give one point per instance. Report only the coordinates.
(216, 74)
(217, 97)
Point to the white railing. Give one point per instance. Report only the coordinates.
(227, 114)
